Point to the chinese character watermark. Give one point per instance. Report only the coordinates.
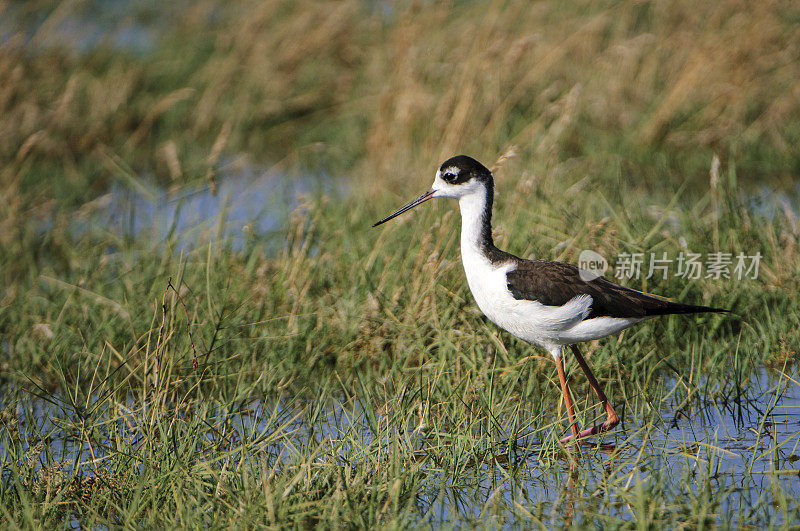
(629, 265)
(692, 266)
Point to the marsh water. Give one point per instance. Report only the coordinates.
(745, 446)
(244, 204)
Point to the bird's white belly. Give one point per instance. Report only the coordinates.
(531, 321)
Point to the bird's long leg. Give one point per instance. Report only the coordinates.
(567, 399)
(612, 419)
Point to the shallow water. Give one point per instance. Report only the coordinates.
(248, 201)
(747, 447)
(121, 24)
(744, 447)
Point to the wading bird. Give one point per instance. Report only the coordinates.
(550, 304)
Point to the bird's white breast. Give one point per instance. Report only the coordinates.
(488, 285)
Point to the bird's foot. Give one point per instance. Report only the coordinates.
(611, 422)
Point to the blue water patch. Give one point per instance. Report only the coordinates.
(84, 26)
(746, 447)
(769, 203)
(245, 202)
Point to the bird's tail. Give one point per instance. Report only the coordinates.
(678, 308)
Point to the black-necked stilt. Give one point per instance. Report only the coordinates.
(545, 303)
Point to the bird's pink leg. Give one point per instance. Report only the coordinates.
(612, 419)
(567, 400)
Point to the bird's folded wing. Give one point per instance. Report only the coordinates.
(556, 283)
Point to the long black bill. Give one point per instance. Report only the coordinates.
(421, 199)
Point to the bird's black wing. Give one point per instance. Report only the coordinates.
(555, 283)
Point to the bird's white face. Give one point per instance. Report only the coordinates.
(452, 183)
(457, 178)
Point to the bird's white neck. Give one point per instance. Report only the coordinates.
(476, 221)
